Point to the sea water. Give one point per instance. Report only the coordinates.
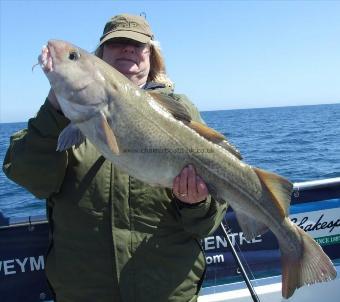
(300, 142)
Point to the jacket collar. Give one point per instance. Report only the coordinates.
(153, 85)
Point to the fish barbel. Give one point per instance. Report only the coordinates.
(152, 137)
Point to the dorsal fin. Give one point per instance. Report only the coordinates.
(180, 112)
(231, 148)
(215, 137)
(209, 133)
(279, 187)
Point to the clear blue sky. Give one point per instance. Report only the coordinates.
(222, 54)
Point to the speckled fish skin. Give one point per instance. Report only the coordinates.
(154, 147)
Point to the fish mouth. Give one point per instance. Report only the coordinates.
(45, 59)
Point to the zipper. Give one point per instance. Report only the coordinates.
(131, 240)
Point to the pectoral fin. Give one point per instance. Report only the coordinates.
(105, 133)
(70, 136)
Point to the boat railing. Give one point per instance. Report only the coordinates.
(316, 190)
(24, 242)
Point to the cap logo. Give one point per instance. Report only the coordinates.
(124, 25)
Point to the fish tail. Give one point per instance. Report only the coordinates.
(312, 265)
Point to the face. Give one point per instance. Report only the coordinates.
(129, 57)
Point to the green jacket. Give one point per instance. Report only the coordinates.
(113, 238)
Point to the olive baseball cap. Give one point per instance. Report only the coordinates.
(127, 26)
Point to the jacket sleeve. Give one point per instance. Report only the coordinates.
(32, 160)
(203, 218)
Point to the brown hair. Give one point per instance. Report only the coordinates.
(157, 65)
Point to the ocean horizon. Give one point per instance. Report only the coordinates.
(230, 109)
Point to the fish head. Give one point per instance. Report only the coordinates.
(76, 78)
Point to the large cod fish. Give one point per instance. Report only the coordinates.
(152, 137)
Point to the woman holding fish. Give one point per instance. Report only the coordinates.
(113, 237)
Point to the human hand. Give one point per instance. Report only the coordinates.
(189, 187)
(53, 100)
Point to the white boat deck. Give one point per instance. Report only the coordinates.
(269, 290)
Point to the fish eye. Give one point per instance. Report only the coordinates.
(74, 56)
